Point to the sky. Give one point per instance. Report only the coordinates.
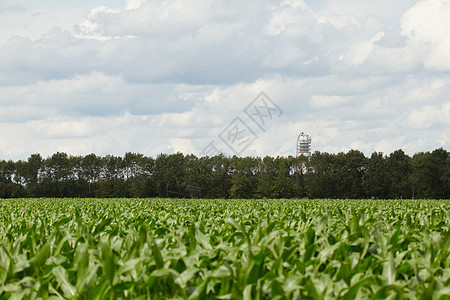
(237, 77)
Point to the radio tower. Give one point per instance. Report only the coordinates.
(304, 145)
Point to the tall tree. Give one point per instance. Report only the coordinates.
(219, 184)
(377, 178)
(56, 175)
(266, 177)
(283, 187)
(90, 171)
(112, 183)
(399, 168)
(10, 186)
(322, 180)
(430, 174)
(243, 177)
(298, 172)
(34, 165)
(168, 175)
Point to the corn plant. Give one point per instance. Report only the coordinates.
(224, 249)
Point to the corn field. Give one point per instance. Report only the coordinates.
(224, 249)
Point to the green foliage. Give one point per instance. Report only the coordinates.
(224, 249)
(342, 176)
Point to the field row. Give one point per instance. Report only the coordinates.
(224, 249)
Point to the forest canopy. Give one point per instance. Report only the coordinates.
(324, 175)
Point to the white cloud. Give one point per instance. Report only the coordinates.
(427, 20)
(427, 26)
(286, 17)
(358, 53)
(428, 116)
(134, 4)
(182, 145)
(320, 101)
(61, 128)
(165, 76)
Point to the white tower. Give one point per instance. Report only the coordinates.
(304, 145)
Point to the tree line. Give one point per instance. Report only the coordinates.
(324, 175)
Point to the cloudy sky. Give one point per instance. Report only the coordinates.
(157, 76)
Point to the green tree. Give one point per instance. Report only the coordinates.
(283, 186)
(112, 182)
(90, 171)
(430, 174)
(56, 173)
(298, 172)
(33, 167)
(399, 169)
(266, 177)
(219, 184)
(10, 186)
(322, 179)
(350, 173)
(377, 178)
(168, 175)
(244, 177)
